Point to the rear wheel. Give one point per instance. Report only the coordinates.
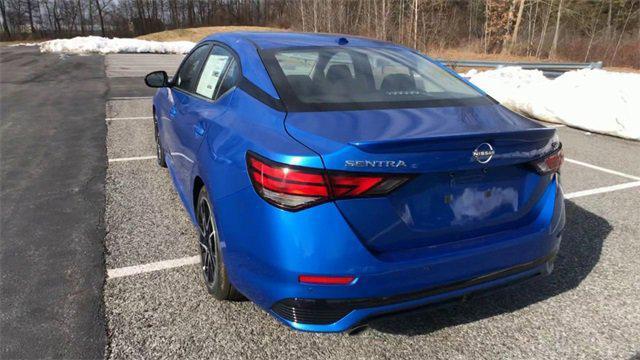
(213, 268)
(159, 149)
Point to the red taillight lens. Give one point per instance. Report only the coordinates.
(294, 187)
(326, 280)
(550, 163)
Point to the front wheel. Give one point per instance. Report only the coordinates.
(213, 267)
(159, 149)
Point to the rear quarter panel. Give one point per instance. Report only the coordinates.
(248, 125)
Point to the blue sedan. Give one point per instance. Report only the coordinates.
(334, 179)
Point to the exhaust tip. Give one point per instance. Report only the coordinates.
(357, 330)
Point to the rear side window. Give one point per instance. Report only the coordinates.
(231, 77)
(188, 73)
(339, 78)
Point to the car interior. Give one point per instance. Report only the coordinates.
(352, 76)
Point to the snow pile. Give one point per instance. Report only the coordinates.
(590, 99)
(97, 44)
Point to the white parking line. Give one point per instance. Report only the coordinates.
(132, 158)
(601, 190)
(632, 177)
(154, 266)
(190, 260)
(130, 97)
(134, 69)
(130, 118)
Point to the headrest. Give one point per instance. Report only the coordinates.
(339, 72)
(398, 82)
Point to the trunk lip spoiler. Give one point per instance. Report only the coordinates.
(519, 136)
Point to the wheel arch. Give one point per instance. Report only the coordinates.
(198, 184)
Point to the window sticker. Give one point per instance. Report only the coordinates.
(211, 74)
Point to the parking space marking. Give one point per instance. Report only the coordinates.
(131, 97)
(130, 118)
(601, 190)
(154, 266)
(136, 158)
(134, 69)
(191, 260)
(632, 177)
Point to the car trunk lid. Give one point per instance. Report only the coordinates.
(455, 194)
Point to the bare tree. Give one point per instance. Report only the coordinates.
(520, 27)
(544, 29)
(315, 16)
(609, 18)
(554, 45)
(81, 14)
(5, 24)
(100, 8)
(592, 31)
(415, 23)
(514, 37)
(302, 14)
(385, 15)
(615, 52)
(30, 13)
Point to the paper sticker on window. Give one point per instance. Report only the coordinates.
(211, 74)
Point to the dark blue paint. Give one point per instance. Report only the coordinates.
(500, 215)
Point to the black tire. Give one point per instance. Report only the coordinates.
(213, 269)
(159, 148)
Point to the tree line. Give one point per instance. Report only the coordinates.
(579, 30)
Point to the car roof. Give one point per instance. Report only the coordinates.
(286, 39)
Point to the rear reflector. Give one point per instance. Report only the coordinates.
(295, 187)
(550, 163)
(326, 280)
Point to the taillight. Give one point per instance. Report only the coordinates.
(295, 187)
(550, 163)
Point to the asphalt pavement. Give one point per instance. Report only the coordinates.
(157, 307)
(588, 308)
(52, 175)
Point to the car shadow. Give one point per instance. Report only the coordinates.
(579, 253)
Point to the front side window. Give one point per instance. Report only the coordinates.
(328, 78)
(215, 73)
(188, 72)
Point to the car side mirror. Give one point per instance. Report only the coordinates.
(157, 79)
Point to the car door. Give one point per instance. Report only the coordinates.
(200, 109)
(180, 99)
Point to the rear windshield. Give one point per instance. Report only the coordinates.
(340, 78)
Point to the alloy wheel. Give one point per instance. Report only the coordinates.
(207, 241)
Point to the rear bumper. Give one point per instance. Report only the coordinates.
(267, 251)
(334, 315)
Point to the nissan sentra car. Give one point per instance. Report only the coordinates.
(333, 179)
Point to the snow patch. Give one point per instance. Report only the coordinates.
(97, 44)
(596, 100)
(25, 44)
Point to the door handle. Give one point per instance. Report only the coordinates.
(198, 129)
(173, 111)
